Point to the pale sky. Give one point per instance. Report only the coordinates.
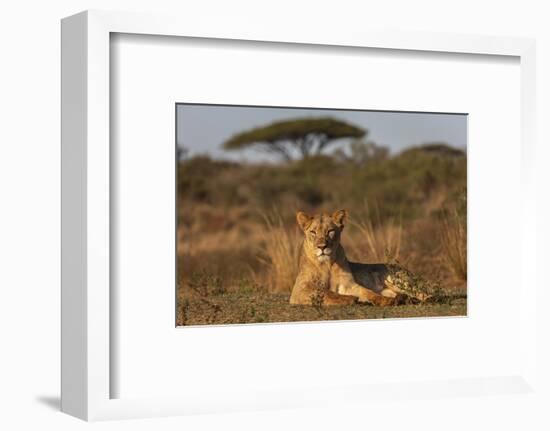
(203, 128)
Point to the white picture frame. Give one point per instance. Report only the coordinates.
(87, 341)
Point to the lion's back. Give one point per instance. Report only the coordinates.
(370, 275)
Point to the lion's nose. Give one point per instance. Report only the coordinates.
(322, 245)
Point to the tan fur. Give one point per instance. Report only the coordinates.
(326, 273)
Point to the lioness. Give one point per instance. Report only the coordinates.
(326, 274)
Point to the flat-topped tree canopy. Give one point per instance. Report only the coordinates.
(306, 135)
(441, 149)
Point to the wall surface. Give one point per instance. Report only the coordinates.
(30, 193)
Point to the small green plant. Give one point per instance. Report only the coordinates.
(317, 300)
(317, 297)
(246, 286)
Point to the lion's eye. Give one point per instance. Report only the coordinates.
(331, 234)
(312, 232)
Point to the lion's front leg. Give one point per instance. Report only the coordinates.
(309, 292)
(332, 298)
(365, 295)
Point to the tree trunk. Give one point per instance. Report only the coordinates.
(323, 141)
(279, 149)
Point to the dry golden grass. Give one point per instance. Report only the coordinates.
(453, 242)
(379, 240)
(280, 251)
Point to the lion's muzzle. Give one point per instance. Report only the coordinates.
(323, 251)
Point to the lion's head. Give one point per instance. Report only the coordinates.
(322, 233)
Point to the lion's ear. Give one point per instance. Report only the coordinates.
(303, 220)
(339, 217)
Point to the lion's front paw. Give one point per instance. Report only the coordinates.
(365, 300)
(342, 300)
(378, 300)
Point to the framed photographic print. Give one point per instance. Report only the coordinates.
(264, 195)
(245, 209)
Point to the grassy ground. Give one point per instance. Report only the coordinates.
(254, 306)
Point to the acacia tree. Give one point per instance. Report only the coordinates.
(307, 136)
